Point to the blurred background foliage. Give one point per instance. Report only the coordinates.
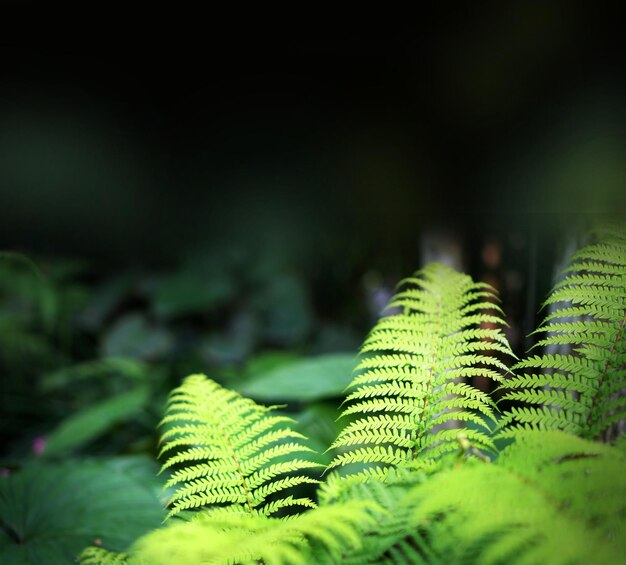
(243, 204)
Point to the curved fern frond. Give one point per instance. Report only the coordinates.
(550, 497)
(580, 388)
(408, 386)
(318, 536)
(234, 451)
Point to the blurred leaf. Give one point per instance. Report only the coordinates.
(235, 344)
(133, 369)
(224, 349)
(133, 336)
(50, 513)
(22, 280)
(285, 309)
(106, 299)
(268, 361)
(318, 422)
(314, 378)
(186, 293)
(82, 427)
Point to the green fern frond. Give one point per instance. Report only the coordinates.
(394, 535)
(318, 536)
(580, 390)
(234, 451)
(98, 556)
(550, 497)
(408, 383)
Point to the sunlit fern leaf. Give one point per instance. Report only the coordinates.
(581, 390)
(408, 392)
(233, 452)
(320, 536)
(550, 497)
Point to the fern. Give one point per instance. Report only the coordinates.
(233, 451)
(550, 498)
(582, 390)
(390, 535)
(408, 390)
(317, 536)
(98, 556)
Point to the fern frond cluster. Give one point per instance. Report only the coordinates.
(234, 452)
(408, 392)
(582, 389)
(550, 498)
(410, 482)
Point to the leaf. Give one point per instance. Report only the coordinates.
(285, 310)
(105, 299)
(84, 426)
(133, 336)
(187, 292)
(49, 513)
(132, 369)
(310, 379)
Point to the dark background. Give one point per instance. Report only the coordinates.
(127, 147)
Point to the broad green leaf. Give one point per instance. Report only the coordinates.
(186, 293)
(310, 379)
(50, 513)
(133, 336)
(132, 369)
(84, 426)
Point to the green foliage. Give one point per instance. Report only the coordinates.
(392, 535)
(410, 482)
(97, 556)
(88, 423)
(48, 513)
(550, 498)
(581, 389)
(317, 536)
(233, 449)
(325, 376)
(408, 391)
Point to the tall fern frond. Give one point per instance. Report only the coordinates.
(408, 392)
(550, 497)
(234, 452)
(581, 390)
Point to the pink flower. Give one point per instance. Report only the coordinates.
(39, 445)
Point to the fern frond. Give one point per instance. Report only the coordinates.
(407, 386)
(550, 497)
(98, 556)
(318, 536)
(579, 390)
(393, 536)
(234, 451)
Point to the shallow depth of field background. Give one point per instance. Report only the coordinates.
(231, 204)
